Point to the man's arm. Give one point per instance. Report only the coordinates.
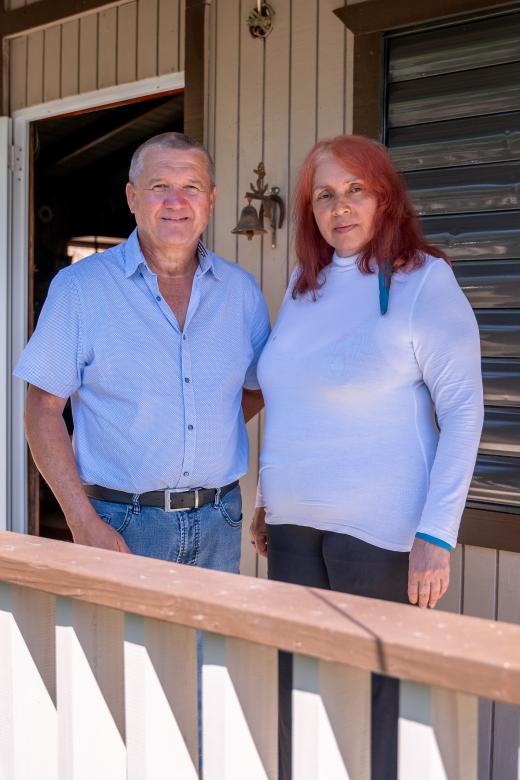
(52, 452)
(252, 403)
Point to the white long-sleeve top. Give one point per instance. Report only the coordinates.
(351, 444)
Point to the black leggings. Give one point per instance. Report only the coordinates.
(323, 559)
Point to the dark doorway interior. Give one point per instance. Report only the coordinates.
(80, 167)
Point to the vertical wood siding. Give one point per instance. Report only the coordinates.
(269, 100)
(117, 45)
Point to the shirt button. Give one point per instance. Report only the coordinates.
(158, 298)
(190, 427)
(186, 474)
(184, 338)
(186, 379)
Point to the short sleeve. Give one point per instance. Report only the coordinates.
(52, 358)
(260, 329)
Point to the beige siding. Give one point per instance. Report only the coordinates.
(269, 100)
(132, 40)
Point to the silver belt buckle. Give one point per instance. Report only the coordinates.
(167, 501)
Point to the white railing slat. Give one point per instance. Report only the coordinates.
(438, 734)
(161, 700)
(28, 720)
(240, 710)
(331, 721)
(89, 659)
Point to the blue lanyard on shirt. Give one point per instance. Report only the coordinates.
(385, 278)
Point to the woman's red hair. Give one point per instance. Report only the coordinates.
(398, 238)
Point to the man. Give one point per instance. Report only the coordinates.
(156, 342)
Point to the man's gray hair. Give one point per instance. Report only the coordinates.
(169, 141)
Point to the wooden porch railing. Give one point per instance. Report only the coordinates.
(98, 672)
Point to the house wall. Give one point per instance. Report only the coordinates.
(120, 44)
(267, 100)
(270, 100)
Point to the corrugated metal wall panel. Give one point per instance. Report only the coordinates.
(453, 128)
(455, 48)
(471, 93)
(443, 144)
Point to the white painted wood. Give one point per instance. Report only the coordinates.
(18, 294)
(89, 663)
(161, 700)
(102, 97)
(239, 705)
(331, 721)
(438, 734)
(27, 685)
(5, 248)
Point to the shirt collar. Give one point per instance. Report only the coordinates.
(133, 257)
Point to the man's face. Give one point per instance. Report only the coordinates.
(172, 198)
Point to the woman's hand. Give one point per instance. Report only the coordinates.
(428, 573)
(258, 531)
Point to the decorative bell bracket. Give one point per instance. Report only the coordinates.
(272, 208)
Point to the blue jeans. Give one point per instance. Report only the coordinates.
(208, 536)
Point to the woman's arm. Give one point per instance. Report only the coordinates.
(446, 343)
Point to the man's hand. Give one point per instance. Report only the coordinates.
(428, 573)
(258, 531)
(52, 452)
(94, 532)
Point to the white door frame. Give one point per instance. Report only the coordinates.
(17, 493)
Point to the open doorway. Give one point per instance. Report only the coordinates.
(79, 172)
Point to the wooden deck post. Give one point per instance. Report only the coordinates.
(240, 710)
(161, 700)
(331, 721)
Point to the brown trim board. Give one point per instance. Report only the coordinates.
(45, 12)
(195, 66)
(378, 15)
(497, 530)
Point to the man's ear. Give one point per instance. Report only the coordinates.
(130, 196)
(212, 198)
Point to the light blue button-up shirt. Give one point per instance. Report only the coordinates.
(154, 407)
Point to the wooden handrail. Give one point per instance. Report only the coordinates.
(461, 653)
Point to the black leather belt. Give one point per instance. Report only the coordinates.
(169, 500)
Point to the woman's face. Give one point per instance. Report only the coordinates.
(343, 207)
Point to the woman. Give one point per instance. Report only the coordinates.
(362, 486)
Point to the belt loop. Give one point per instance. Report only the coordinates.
(136, 506)
(217, 498)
